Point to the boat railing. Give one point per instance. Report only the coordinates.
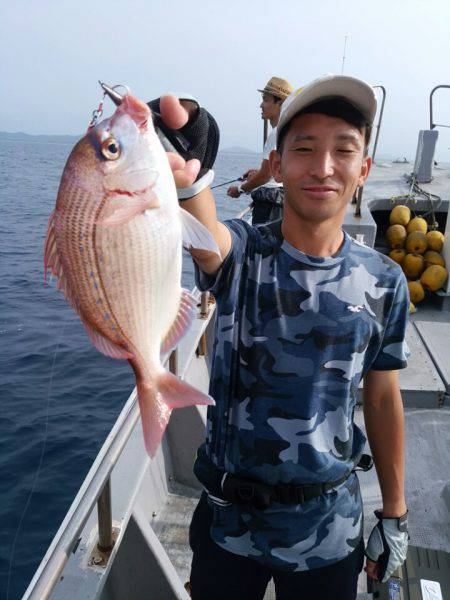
(96, 488)
(432, 124)
(380, 118)
(359, 193)
(244, 213)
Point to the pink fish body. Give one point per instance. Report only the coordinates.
(115, 243)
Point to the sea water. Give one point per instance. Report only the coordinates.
(59, 397)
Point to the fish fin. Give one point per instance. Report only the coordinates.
(156, 402)
(132, 208)
(104, 345)
(195, 235)
(183, 320)
(53, 263)
(51, 258)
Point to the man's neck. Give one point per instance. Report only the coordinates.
(316, 239)
(274, 120)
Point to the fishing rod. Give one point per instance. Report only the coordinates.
(227, 182)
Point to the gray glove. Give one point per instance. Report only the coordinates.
(388, 544)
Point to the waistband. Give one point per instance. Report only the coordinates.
(227, 488)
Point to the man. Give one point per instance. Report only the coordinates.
(303, 313)
(266, 193)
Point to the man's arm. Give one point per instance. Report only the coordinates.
(384, 420)
(255, 180)
(202, 206)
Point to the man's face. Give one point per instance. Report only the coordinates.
(321, 165)
(270, 108)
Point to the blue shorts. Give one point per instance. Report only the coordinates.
(220, 575)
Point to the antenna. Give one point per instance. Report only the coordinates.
(343, 57)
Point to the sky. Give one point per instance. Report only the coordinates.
(53, 52)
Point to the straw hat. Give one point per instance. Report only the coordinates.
(280, 88)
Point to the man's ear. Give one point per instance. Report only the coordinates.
(275, 165)
(365, 170)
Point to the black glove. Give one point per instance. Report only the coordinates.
(199, 138)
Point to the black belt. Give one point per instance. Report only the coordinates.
(241, 490)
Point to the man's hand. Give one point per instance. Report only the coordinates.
(249, 173)
(201, 204)
(175, 116)
(387, 547)
(233, 192)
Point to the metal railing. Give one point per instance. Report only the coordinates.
(380, 118)
(95, 488)
(357, 200)
(432, 124)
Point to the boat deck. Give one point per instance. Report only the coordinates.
(425, 383)
(390, 179)
(436, 337)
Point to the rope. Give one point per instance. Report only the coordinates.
(416, 191)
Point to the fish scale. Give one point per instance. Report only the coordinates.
(142, 254)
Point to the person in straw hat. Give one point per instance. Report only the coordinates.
(266, 193)
(304, 314)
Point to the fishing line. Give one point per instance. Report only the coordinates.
(41, 460)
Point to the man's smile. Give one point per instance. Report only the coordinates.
(319, 191)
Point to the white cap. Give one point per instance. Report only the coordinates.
(356, 91)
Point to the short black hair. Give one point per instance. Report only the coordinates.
(335, 106)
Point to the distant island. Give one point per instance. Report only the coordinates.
(20, 136)
(238, 150)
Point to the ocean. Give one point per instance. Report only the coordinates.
(59, 396)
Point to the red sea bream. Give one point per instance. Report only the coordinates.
(114, 241)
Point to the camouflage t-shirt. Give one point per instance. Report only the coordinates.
(294, 336)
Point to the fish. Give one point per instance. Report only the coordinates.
(114, 243)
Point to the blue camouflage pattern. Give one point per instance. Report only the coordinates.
(294, 336)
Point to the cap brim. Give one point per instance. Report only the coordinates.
(274, 93)
(359, 93)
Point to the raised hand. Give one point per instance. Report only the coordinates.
(175, 117)
(201, 141)
(233, 192)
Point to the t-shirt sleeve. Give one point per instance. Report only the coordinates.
(229, 273)
(271, 144)
(394, 351)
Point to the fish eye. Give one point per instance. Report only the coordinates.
(111, 149)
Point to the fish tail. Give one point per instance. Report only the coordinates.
(156, 402)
